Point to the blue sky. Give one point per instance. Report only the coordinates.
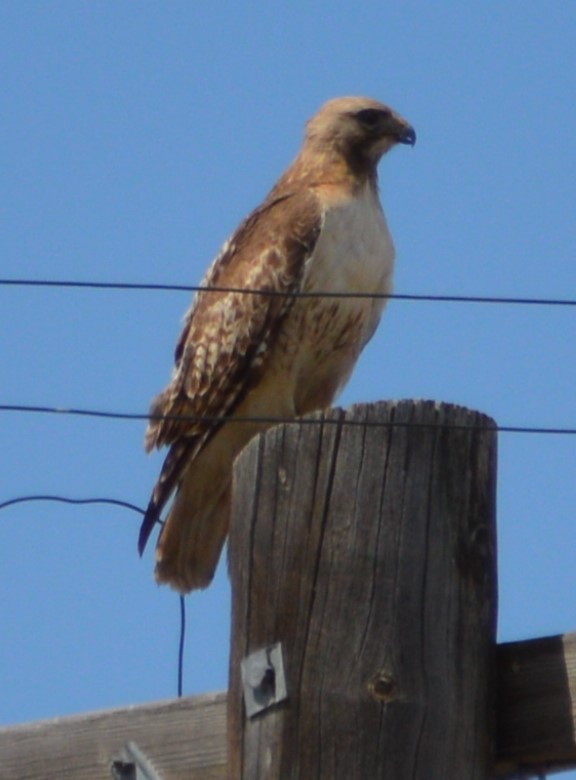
(134, 137)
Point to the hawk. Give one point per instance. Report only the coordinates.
(271, 353)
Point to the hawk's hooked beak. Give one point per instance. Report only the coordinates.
(407, 136)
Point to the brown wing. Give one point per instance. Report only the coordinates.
(227, 335)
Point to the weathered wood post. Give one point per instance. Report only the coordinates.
(365, 545)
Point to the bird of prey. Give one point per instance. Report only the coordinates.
(271, 353)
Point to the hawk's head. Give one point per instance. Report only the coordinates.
(361, 129)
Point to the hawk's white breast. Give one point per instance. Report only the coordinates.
(322, 337)
(354, 253)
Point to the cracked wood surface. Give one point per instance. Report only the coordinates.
(366, 545)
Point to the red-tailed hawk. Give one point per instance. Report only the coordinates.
(321, 229)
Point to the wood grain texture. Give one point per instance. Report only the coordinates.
(536, 726)
(368, 550)
(184, 739)
(536, 720)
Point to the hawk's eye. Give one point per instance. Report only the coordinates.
(369, 117)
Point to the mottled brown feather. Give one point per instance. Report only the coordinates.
(259, 355)
(227, 335)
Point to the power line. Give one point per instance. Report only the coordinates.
(180, 683)
(137, 286)
(216, 419)
(124, 505)
(66, 500)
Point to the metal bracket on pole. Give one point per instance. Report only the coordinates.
(263, 679)
(132, 764)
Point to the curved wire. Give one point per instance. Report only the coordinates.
(124, 505)
(67, 500)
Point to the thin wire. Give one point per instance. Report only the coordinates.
(125, 505)
(214, 419)
(181, 645)
(66, 500)
(486, 299)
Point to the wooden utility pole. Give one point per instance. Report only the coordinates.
(185, 739)
(365, 546)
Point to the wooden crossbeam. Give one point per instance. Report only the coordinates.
(536, 707)
(185, 739)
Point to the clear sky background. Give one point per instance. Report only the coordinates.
(134, 136)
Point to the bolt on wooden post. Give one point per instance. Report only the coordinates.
(364, 543)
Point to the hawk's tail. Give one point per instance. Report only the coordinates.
(195, 530)
(172, 470)
(191, 540)
(193, 535)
